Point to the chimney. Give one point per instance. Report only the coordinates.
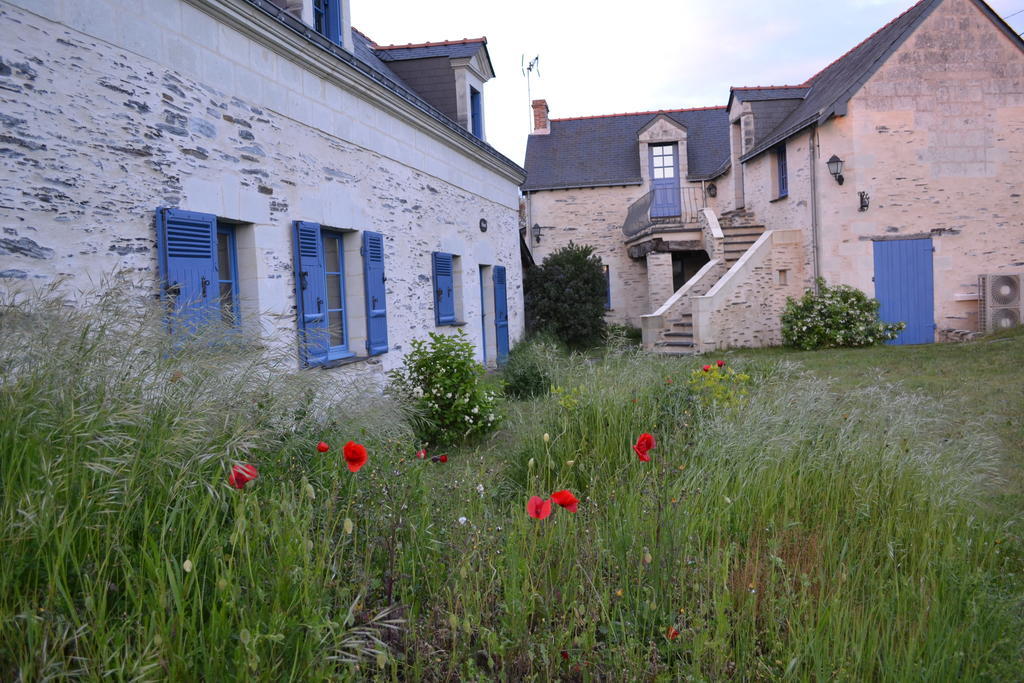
(540, 118)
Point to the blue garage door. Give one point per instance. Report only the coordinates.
(904, 288)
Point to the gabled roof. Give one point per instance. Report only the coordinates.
(832, 87)
(600, 151)
(760, 93)
(453, 49)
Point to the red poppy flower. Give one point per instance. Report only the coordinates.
(566, 499)
(323, 447)
(565, 654)
(706, 368)
(538, 508)
(443, 458)
(421, 453)
(644, 443)
(721, 363)
(671, 633)
(355, 455)
(242, 475)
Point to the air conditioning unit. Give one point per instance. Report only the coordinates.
(999, 297)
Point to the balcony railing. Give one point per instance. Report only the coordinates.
(657, 208)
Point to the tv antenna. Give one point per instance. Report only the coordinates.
(528, 69)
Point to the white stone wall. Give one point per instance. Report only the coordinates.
(110, 109)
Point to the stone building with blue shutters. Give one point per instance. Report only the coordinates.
(259, 164)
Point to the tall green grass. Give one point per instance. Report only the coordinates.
(806, 533)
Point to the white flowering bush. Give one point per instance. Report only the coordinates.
(441, 379)
(835, 317)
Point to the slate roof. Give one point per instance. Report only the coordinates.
(598, 151)
(832, 87)
(453, 49)
(773, 92)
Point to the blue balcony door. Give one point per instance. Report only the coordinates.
(664, 167)
(904, 288)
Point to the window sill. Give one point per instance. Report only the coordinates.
(457, 323)
(779, 198)
(342, 361)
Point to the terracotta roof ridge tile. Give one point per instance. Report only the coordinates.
(639, 113)
(810, 81)
(767, 87)
(440, 43)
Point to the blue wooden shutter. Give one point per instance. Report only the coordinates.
(187, 244)
(376, 299)
(311, 293)
(444, 284)
(500, 314)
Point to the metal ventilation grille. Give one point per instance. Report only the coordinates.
(1004, 290)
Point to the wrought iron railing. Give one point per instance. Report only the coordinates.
(639, 218)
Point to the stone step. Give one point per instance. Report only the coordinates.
(680, 336)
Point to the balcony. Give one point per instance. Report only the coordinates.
(658, 210)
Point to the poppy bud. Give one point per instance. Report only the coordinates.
(647, 559)
(547, 437)
(347, 525)
(187, 566)
(323, 447)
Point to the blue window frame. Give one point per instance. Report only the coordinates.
(476, 112)
(780, 160)
(334, 284)
(327, 19)
(227, 274)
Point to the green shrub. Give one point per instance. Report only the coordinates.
(834, 317)
(624, 334)
(527, 372)
(441, 379)
(566, 295)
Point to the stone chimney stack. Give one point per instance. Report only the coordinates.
(541, 126)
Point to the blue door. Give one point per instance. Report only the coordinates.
(665, 180)
(483, 318)
(903, 287)
(500, 315)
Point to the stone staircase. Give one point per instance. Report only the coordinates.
(677, 339)
(738, 239)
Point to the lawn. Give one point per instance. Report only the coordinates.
(841, 514)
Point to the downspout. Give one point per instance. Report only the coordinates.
(815, 257)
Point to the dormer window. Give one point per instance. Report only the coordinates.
(476, 112)
(327, 19)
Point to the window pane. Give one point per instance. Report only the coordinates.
(227, 304)
(336, 329)
(333, 292)
(223, 255)
(331, 254)
(668, 173)
(659, 173)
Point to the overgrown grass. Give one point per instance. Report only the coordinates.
(807, 533)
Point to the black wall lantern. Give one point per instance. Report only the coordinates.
(835, 167)
(865, 200)
(536, 232)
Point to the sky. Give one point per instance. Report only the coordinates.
(613, 57)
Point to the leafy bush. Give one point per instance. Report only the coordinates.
(718, 385)
(565, 296)
(526, 373)
(835, 317)
(441, 379)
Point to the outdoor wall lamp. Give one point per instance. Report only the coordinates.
(835, 167)
(865, 200)
(535, 230)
